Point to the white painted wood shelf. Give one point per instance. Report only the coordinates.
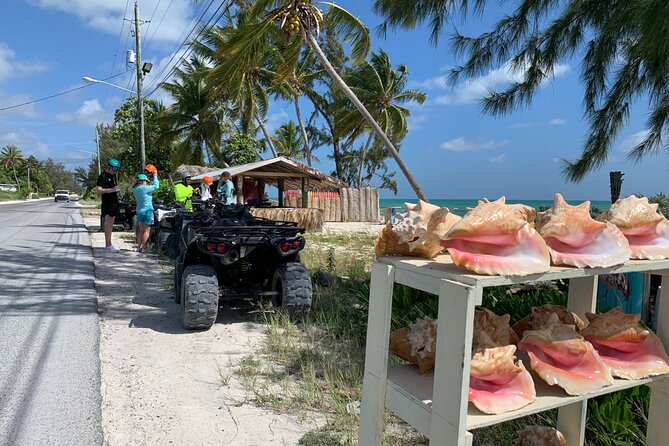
(437, 404)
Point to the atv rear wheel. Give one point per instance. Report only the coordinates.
(292, 284)
(199, 297)
(167, 242)
(177, 280)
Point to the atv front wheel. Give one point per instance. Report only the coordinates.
(199, 297)
(168, 244)
(292, 284)
(177, 280)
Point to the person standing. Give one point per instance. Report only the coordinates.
(225, 188)
(107, 188)
(183, 192)
(144, 195)
(205, 192)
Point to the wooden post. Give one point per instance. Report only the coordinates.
(280, 187)
(240, 189)
(305, 199)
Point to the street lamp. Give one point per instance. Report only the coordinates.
(93, 153)
(140, 112)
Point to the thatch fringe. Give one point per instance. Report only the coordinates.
(310, 219)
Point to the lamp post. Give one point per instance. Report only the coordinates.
(140, 113)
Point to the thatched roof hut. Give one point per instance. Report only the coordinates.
(276, 170)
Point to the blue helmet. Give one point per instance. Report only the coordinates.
(142, 177)
(114, 163)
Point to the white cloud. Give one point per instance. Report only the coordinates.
(275, 120)
(27, 111)
(557, 121)
(523, 125)
(473, 89)
(9, 66)
(169, 21)
(498, 159)
(28, 143)
(414, 122)
(464, 145)
(89, 113)
(629, 143)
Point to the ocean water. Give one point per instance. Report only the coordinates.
(459, 207)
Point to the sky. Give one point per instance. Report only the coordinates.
(453, 150)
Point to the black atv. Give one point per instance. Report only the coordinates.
(166, 225)
(126, 217)
(238, 257)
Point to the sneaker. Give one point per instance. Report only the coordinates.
(112, 249)
(144, 250)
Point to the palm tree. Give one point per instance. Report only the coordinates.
(298, 83)
(298, 22)
(381, 88)
(12, 157)
(289, 142)
(245, 86)
(195, 121)
(625, 57)
(29, 164)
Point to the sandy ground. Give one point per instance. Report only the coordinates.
(162, 384)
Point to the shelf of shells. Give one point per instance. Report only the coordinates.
(469, 368)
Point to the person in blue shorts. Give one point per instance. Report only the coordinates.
(144, 194)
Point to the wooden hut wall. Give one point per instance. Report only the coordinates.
(358, 204)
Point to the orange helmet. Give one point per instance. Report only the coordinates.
(207, 180)
(151, 168)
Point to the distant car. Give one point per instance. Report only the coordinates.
(62, 195)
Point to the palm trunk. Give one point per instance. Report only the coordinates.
(205, 149)
(363, 111)
(16, 178)
(362, 158)
(267, 138)
(307, 150)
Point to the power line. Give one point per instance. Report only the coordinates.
(53, 95)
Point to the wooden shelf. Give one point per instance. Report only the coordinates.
(437, 405)
(410, 392)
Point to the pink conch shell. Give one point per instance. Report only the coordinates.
(630, 351)
(540, 436)
(545, 316)
(498, 383)
(497, 238)
(647, 230)
(574, 238)
(560, 356)
(416, 232)
(491, 330)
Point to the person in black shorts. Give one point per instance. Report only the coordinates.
(107, 188)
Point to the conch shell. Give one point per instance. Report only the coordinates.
(574, 238)
(560, 356)
(646, 229)
(416, 344)
(628, 350)
(540, 436)
(498, 238)
(498, 382)
(416, 232)
(545, 316)
(491, 330)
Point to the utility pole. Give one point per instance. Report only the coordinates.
(140, 106)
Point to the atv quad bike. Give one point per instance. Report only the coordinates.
(239, 257)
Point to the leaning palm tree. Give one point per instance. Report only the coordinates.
(11, 156)
(246, 85)
(195, 121)
(380, 87)
(625, 53)
(298, 22)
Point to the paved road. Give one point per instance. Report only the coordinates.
(49, 334)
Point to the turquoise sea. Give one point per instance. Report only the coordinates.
(459, 207)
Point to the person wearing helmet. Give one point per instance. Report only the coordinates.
(183, 192)
(225, 189)
(205, 191)
(143, 193)
(107, 188)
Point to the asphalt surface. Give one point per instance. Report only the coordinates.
(49, 333)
